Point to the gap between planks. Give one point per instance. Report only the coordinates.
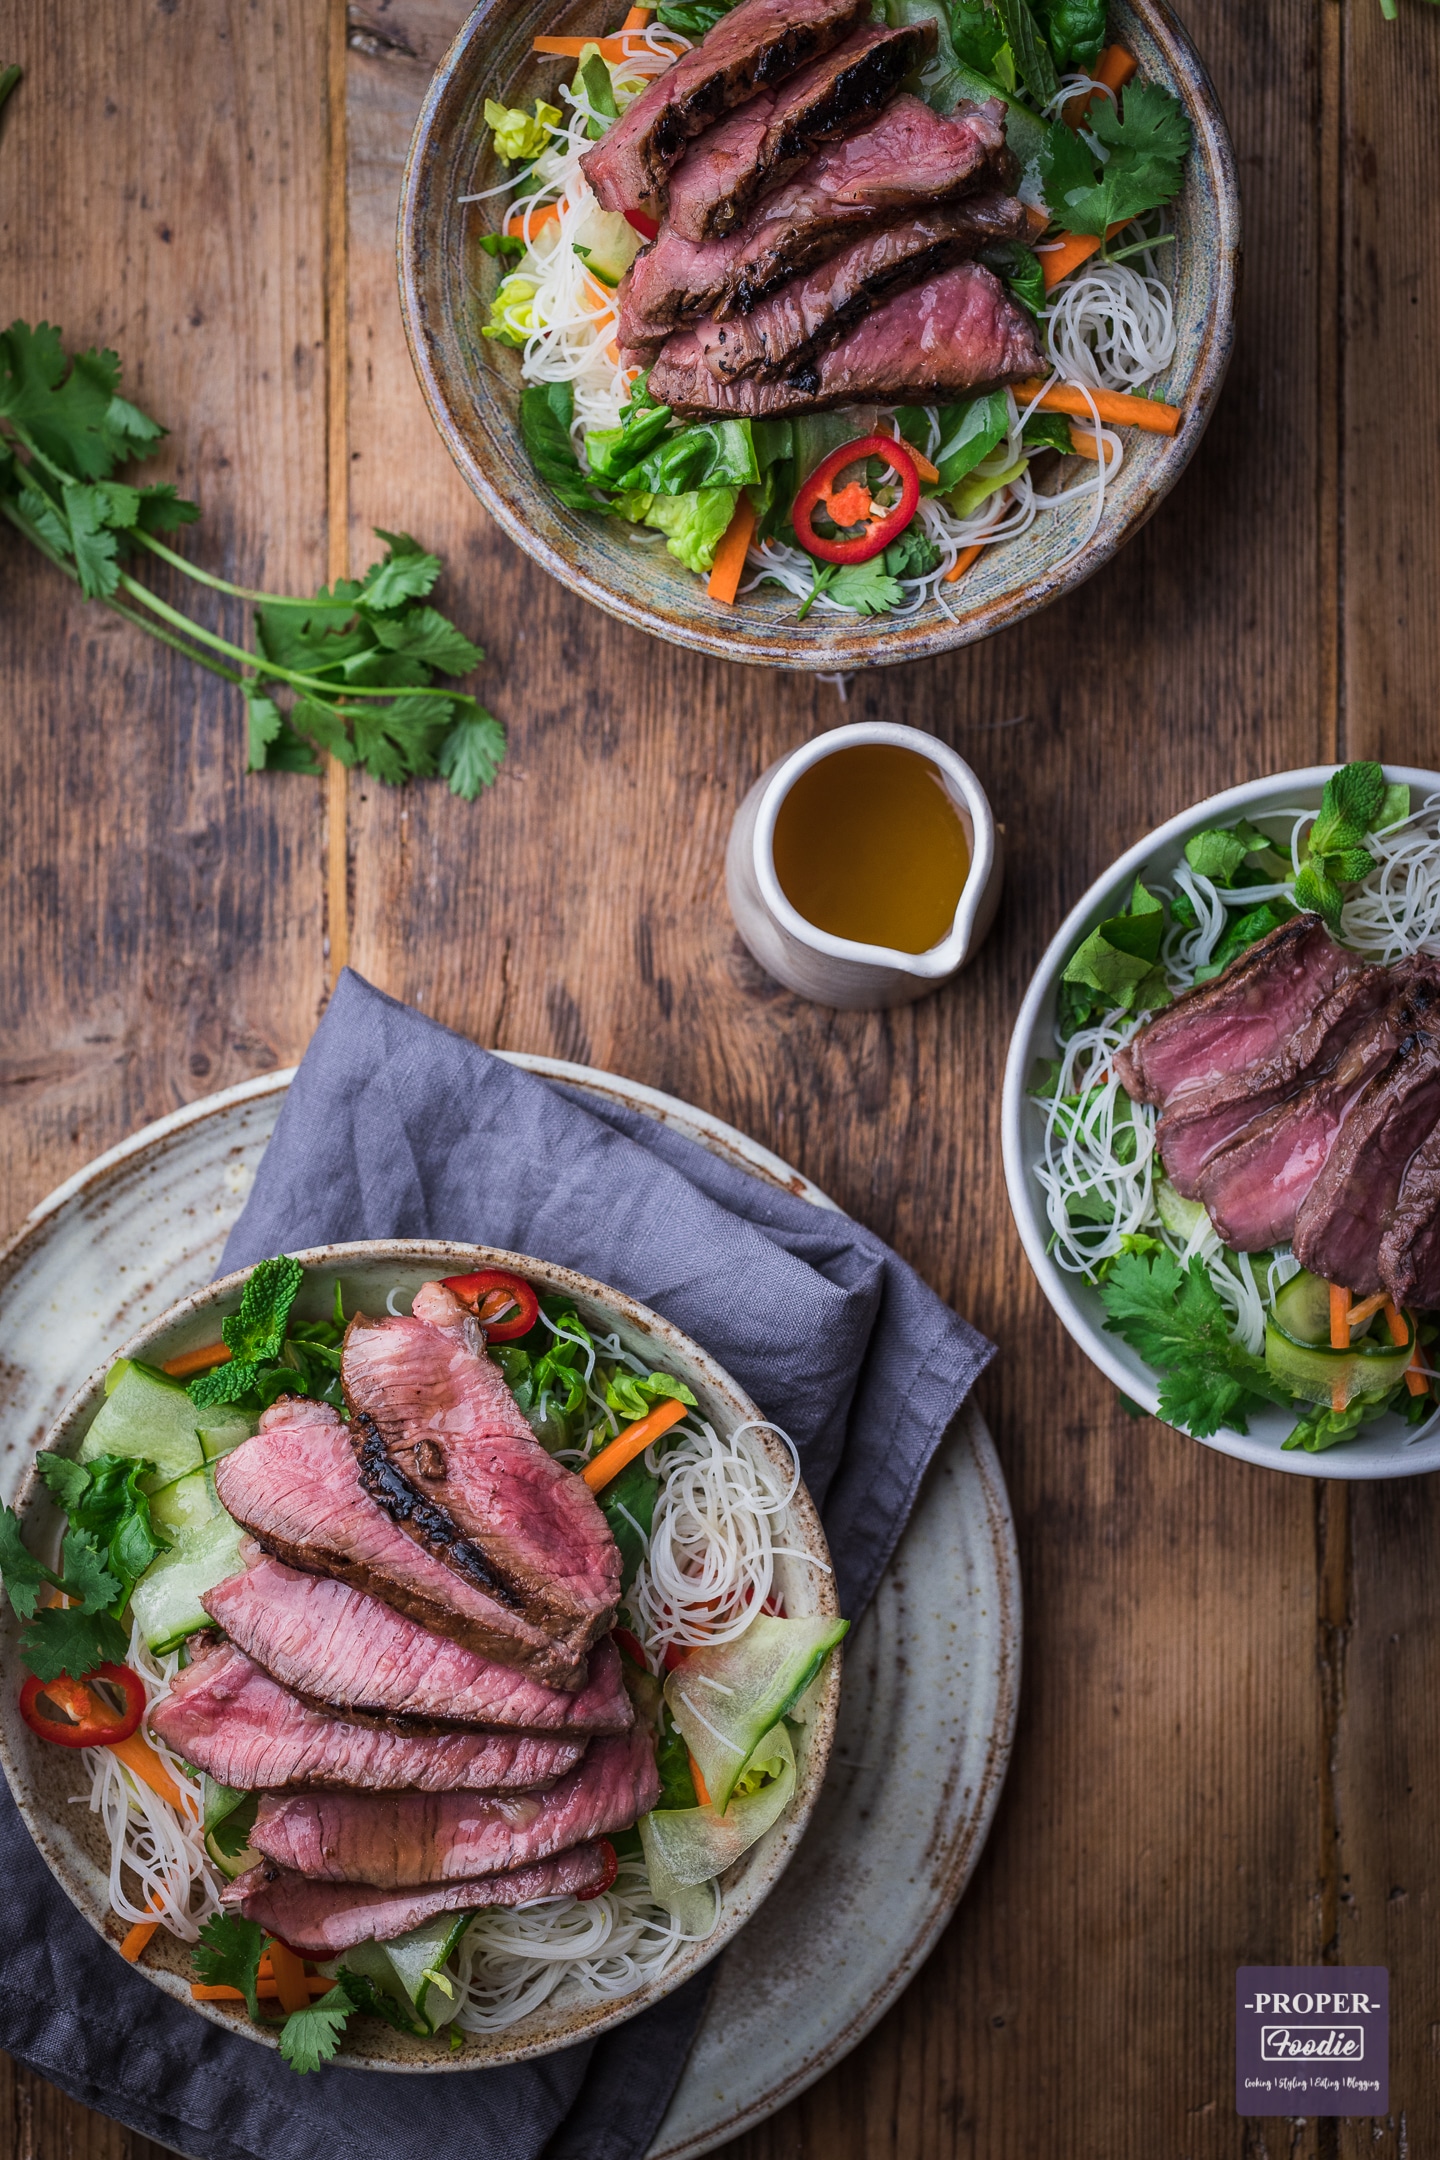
(337, 466)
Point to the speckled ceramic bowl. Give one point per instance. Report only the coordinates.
(43, 1778)
(472, 385)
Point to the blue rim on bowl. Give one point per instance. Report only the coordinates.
(473, 393)
(1389, 1451)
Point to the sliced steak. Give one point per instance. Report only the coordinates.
(786, 331)
(1253, 1188)
(1243, 1015)
(1410, 1248)
(1348, 1209)
(320, 1919)
(226, 1715)
(296, 1488)
(1201, 1116)
(392, 1839)
(900, 166)
(959, 331)
(350, 1653)
(767, 140)
(445, 1450)
(758, 43)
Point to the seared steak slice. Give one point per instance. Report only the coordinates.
(1410, 1248)
(1245, 1014)
(321, 1919)
(757, 43)
(445, 1450)
(1348, 1209)
(764, 142)
(1203, 1115)
(958, 332)
(227, 1716)
(1254, 1187)
(296, 1488)
(898, 167)
(349, 1653)
(392, 1839)
(811, 312)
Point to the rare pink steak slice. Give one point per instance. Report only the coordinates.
(226, 1715)
(296, 1488)
(445, 1451)
(321, 1919)
(395, 1839)
(352, 1654)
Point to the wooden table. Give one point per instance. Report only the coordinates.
(1227, 1735)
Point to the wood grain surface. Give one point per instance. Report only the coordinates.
(1227, 1743)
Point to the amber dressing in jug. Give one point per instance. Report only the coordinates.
(869, 846)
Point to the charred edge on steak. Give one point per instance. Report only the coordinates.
(422, 1518)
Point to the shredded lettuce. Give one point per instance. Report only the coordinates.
(512, 311)
(518, 135)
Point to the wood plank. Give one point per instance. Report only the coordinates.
(1163, 1820)
(162, 924)
(161, 916)
(1387, 1666)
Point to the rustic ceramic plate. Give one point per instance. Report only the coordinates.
(1390, 1448)
(43, 1778)
(472, 385)
(891, 1845)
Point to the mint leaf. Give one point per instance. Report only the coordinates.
(224, 1384)
(257, 1331)
(1033, 63)
(228, 1955)
(1354, 798)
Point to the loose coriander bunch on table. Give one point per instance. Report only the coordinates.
(356, 664)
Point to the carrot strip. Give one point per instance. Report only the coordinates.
(1147, 414)
(918, 459)
(1367, 1309)
(315, 1984)
(137, 1939)
(1396, 1325)
(701, 1791)
(637, 19)
(1116, 67)
(1339, 1317)
(202, 1993)
(548, 214)
(632, 1442)
(729, 564)
(141, 1760)
(1082, 442)
(1415, 1380)
(289, 1972)
(963, 562)
(1059, 258)
(193, 1361)
(570, 48)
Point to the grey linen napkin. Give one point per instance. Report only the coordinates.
(395, 1127)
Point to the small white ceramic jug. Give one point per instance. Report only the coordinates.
(835, 970)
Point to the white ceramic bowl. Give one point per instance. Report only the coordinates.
(43, 1778)
(841, 972)
(1389, 1449)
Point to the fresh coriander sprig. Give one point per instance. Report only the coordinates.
(359, 660)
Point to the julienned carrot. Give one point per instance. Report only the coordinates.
(632, 1442)
(1339, 1317)
(1415, 1379)
(1059, 258)
(702, 1793)
(1082, 442)
(1367, 1309)
(1114, 69)
(963, 561)
(729, 564)
(1147, 414)
(289, 1972)
(137, 1938)
(142, 1762)
(514, 225)
(315, 1984)
(193, 1361)
(638, 18)
(570, 48)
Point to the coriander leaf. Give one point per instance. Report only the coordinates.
(398, 741)
(545, 414)
(310, 2037)
(24, 1576)
(67, 1482)
(1145, 164)
(262, 727)
(1175, 1320)
(228, 1955)
(135, 429)
(290, 753)
(372, 2001)
(325, 726)
(913, 555)
(122, 504)
(257, 1331)
(66, 1640)
(84, 1575)
(36, 505)
(91, 542)
(471, 752)
(406, 573)
(1032, 55)
(866, 587)
(425, 635)
(161, 509)
(66, 415)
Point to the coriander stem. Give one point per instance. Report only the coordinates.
(1138, 247)
(216, 584)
